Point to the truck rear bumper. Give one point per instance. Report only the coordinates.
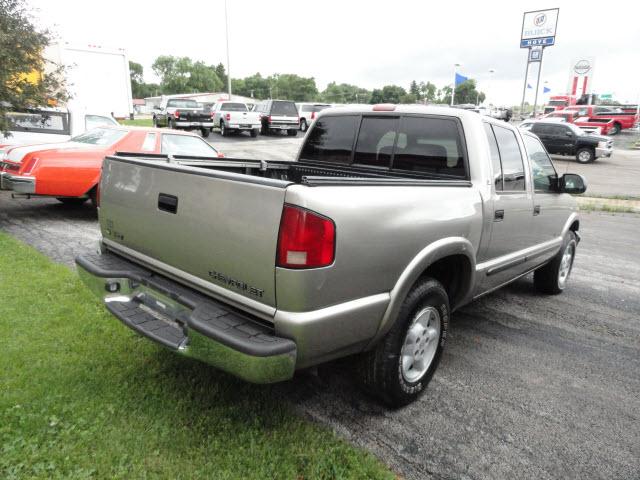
(190, 124)
(187, 322)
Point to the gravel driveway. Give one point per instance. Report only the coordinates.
(529, 386)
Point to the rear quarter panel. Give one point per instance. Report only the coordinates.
(379, 230)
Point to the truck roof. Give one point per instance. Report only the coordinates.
(389, 108)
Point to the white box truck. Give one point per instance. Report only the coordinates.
(97, 78)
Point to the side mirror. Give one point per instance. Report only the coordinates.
(572, 183)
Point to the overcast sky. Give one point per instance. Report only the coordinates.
(370, 43)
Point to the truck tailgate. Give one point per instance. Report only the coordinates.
(219, 228)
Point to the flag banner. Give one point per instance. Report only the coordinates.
(546, 90)
(460, 79)
(529, 86)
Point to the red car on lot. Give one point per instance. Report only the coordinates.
(70, 171)
(621, 119)
(600, 126)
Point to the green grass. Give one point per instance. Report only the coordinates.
(138, 122)
(82, 397)
(595, 207)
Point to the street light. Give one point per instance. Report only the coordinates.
(226, 30)
(453, 90)
(491, 72)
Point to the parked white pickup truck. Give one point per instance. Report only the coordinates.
(390, 219)
(51, 125)
(232, 117)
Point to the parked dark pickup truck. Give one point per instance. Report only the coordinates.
(183, 114)
(391, 218)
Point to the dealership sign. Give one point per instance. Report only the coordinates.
(539, 28)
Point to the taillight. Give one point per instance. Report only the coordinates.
(211, 115)
(176, 114)
(228, 116)
(220, 155)
(313, 115)
(306, 239)
(29, 165)
(269, 119)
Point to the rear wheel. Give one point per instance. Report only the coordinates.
(72, 200)
(171, 124)
(303, 125)
(399, 368)
(205, 132)
(292, 133)
(155, 122)
(552, 278)
(255, 132)
(223, 130)
(585, 155)
(264, 130)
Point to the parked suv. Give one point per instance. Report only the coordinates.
(568, 139)
(308, 112)
(278, 115)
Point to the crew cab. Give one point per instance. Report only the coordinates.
(183, 114)
(278, 116)
(599, 126)
(51, 125)
(235, 117)
(308, 112)
(621, 120)
(70, 171)
(568, 139)
(390, 218)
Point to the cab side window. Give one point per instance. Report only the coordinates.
(495, 157)
(511, 159)
(543, 173)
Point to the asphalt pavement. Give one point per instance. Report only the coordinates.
(530, 386)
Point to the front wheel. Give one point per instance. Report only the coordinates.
(615, 129)
(399, 368)
(204, 132)
(303, 125)
(552, 278)
(585, 155)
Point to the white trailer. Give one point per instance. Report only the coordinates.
(97, 78)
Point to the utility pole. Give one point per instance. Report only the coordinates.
(226, 29)
(535, 101)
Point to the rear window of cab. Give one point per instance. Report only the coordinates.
(405, 143)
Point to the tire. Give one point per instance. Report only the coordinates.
(585, 155)
(155, 122)
(223, 130)
(264, 130)
(255, 132)
(388, 374)
(71, 200)
(171, 123)
(204, 132)
(552, 278)
(303, 125)
(93, 196)
(615, 129)
(292, 133)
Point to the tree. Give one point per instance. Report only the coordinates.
(466, 93)
(27, 79)
(414, 89)
(222, 74)
(137, 81)
(428, 92)
(182, 75)
(388, 94)
(345, 93)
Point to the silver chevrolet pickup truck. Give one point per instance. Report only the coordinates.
(391, 218)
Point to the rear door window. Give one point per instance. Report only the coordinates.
(186, 145)
(331, 139)
(544, 175)
(495, 157)
(286, 109)
(511, 158)
(375, 141)
(429, 145)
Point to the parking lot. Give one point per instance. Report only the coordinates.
(529, 385)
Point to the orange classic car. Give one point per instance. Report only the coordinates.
(70, 171)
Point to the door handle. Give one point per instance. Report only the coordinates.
(536, 210)
(168, 203)
(498, 215)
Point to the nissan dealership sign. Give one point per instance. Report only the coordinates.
(539, 28)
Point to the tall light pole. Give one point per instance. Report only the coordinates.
(226, 30)
(453, 90)
(491, 72)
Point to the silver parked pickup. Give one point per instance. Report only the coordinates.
(391, 218)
